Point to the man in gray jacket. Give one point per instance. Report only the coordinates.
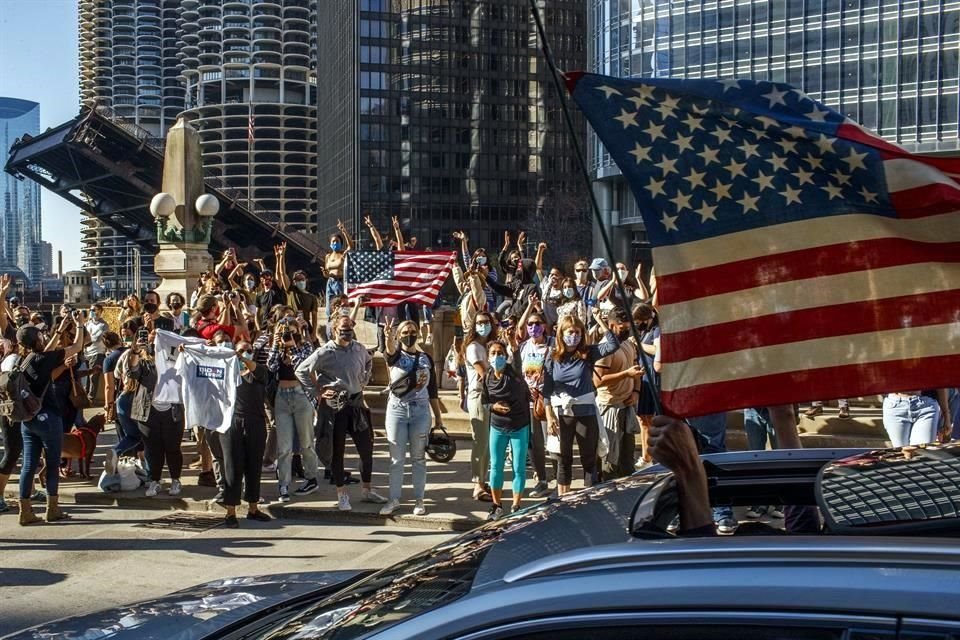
(335, 375)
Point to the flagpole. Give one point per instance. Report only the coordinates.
(645, 360)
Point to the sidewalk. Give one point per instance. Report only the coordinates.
(449, 490)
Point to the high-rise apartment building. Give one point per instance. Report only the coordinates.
(46, 258)
(891, 65)
(443, 113)
(128, 60)
(19, 199)
(128, 65)
(248, 70)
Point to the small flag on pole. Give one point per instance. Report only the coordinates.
(798, 256)
(387, 278)
(250, 129)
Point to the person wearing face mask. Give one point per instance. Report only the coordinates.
(336, 374)
(293, 412)
(581, 275)
(43, 433)
(474, 354)
(534, 350)
(413, 394)
(480, 263)
(610, 292)
(333, 263)
(181, 317)
(617, 378)
(212, 316)
(551, 293)
(571, 401)
(648, 326)
(571, 304)
(95, 351)
(508, 397)
(268, 296)
(244, 441)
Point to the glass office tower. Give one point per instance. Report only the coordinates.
(19, 199)
(892, 65)
(442, 113)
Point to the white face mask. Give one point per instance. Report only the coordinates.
(623, 273)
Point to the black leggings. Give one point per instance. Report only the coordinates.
(243, 448)
(343, 424)
(12, 445)
(587, 432)
(162, 444)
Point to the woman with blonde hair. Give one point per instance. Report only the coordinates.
(571, 402)
(474, 354)
(413, 394)
(132, 309)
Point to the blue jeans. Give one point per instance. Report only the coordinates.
(130, 436)
(910, 420)
(407, 424)
(334, 289)
(953, 399)
(714, 429)
(518, 441)
(294, 416)
(759, 428)
(43, 433)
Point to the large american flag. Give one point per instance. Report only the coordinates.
(798, 255)
(387, 278)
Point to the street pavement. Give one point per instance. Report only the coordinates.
(101, 558)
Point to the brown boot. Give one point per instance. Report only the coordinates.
(26, 513)
(53, 509)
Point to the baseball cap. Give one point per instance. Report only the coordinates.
(27, 336)
(599, 263)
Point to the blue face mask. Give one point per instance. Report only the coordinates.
(483, 330)
(481, 260)
(335, 246)
(498, 362)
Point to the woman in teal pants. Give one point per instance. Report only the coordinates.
(508, 397)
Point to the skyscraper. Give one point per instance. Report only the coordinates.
(19, 199)
(893, 66)
(128, 60)
(442, 113)
(251, 92)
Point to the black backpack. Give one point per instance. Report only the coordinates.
(18, 403)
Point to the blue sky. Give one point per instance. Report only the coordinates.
(38, 61)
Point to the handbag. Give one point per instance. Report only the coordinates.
(539, 409)
(78, 395)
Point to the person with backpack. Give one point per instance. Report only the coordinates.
(42, 429)
(413, 394)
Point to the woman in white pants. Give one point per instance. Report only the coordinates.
(413, 394)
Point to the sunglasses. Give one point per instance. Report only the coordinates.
(580, 270)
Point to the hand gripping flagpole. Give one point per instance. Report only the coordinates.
(645, 360)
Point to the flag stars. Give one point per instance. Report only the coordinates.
(628, 118)
(665, 111)
(825, 144)
(668, 165)
(776, 97)
(655, 131)
(722, 134)
(728, 84)
(841, 178)
(788, 146)
(817, 115)
(669, 221)
(656, 188)
(640, 152)
(681, 201)
(736, 168)
(693, 122)
(722, 190)
(707, 212)
(709, 155)
(695, 179)
(684, 143)
(766, 122)
(750, 150)
(791, 195)
(855, 160)
(803, 177)
(749, 203)
(814, 162)
(608, 91)
(645, 91)
(777, 163)
(764, 181)
(868, 195)
(832, 191)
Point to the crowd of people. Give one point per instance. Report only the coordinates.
(546, 357)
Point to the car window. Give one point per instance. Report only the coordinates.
(699, 632)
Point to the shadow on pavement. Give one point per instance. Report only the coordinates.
(29, 578)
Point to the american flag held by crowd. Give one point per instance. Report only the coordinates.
(796, 257)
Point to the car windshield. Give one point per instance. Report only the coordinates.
(425, 581)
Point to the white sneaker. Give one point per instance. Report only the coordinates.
(343, 502)
(419, 510)
(390, 507)
(175, 488)
(153, 488)
(374, 497)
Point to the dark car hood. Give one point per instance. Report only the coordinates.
(194, 613)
